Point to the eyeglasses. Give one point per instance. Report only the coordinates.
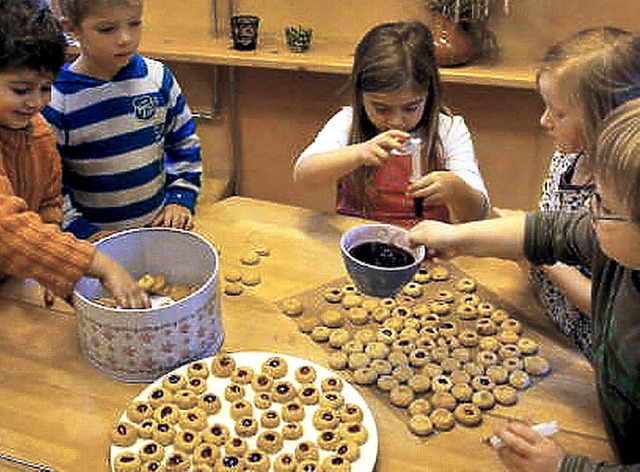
(600, 213)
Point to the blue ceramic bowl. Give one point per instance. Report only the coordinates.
(375, 280)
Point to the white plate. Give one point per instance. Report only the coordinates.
(368, 452)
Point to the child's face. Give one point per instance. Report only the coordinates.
(618, 237)
(400, 110)
(108, 37)
(561, 119)
(23, 93)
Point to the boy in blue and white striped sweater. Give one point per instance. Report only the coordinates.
(130, 153)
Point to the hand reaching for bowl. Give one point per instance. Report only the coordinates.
(118, 282)
(439, 238)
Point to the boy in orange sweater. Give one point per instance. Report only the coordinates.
(31, 244)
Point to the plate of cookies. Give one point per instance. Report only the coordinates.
(255, 411)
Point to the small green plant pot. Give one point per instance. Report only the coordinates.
(298, 38)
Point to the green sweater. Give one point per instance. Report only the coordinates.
(615, 297)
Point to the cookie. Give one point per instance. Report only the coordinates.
(443, 420)
(233, 289)
(292, 307)
(536, 365)
(468, 415)
(466, 285)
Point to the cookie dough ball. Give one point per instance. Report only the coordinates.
(486, 327)
(442, 419)
(339, 338)
(358, 315)
(519, 379)
(485, 309)
(307, 450)
(275, 366)
(233, 288)
(420, 425)
(351, 300)
(127, 461)
(482, 382)
(270, 419)
(483, 399)
(536, 365)
(467, 312)
(419, 383)
(222, 365)
(250, 258)
(246, 427)
(124, 434)
(528, 346)
(468, 415)
(421, 406)
(333, 295)
(439, 274)
(412, 289)
(401, 396)
(443, 400)
(305, 374)
(270, 442)
(261, 382)
(351, 413)
(332, 318)
(498, 374)
(338, 360)
(242, 375)
(422, 276)
(331, 384)
(505, 395)
(462, 392)
(217, 434)
(250, 277)
(292, 307)
(466, 285)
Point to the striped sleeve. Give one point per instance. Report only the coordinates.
(182, 147)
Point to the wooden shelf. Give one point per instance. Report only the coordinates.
(326, 57)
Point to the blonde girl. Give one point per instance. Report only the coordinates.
(396, 95)
(581, 80)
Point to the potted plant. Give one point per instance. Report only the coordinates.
(459, 29)
(298, 38)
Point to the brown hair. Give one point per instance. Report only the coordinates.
(616, 160)
(30, 37)
(598, 69)
(75, 11)
(390, 57)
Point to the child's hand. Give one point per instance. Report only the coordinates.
(525, 450)
(377, 151)
(125, 291)
(437, 188)
(174, 216)
(439, 238)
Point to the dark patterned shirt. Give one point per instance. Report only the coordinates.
(560, 237)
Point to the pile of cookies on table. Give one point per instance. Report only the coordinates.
(438, 350)
(218, 414)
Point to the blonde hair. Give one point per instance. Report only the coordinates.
(597, 69)
(616, 160)
(76, 11)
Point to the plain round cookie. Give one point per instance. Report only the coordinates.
(505, 395)
(292, 307)
(443, 420)
(536, 365)
(420, 425)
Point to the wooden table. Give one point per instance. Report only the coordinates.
(55, 408)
